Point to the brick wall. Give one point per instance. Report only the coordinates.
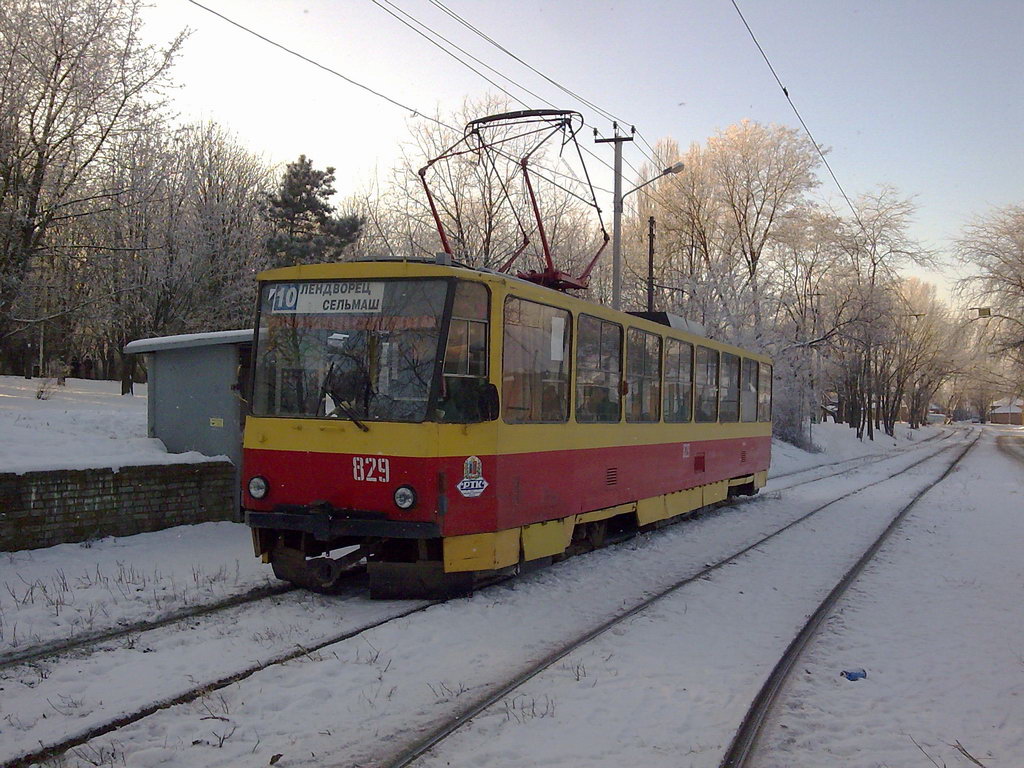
(39, 509)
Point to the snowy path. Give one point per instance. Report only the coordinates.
(383, 687)
(938, 624)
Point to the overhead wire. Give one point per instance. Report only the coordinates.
(568, 91)
(785, 92)
(324, 67)
(424, 26)
(604, 113)
(412, 110)
(413, 20)
(418, 113)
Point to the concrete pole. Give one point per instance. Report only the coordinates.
(650, 264)
(617, 140)
(617, 231)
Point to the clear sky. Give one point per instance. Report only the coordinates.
(924, 95)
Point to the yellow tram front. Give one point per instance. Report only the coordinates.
(371, 396)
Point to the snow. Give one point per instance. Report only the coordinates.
(189, 340)
(72, 589)
(83, 424)
(935, 621)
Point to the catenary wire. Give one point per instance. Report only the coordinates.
(412, 110)
(785, 92)
(324, 67)
(477, 31)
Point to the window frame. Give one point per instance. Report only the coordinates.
(256, 346)
(676, 379)
(578, 402)
(765, 401)
(697, 386)
(567, 359)
(655, 379)
(731, 417)
(746, 394)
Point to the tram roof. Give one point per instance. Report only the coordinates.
(424, 267)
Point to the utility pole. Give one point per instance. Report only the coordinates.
(617, 140)
(650, 264)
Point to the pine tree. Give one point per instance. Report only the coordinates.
(307, 229)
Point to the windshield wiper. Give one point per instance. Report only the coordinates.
(346, 409)
(339, 404)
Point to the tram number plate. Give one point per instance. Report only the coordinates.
(371, 469)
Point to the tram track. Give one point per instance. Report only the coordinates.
(745, 739)
(208, 686)
(82, 641)
(410, 754)
(196, 692)
(856, 463)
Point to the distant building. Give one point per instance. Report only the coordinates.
(1009, 410)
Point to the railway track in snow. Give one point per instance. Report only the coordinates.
(211, 683)
(413, 752)
(857, 462)
(82, 642)
(744, 742)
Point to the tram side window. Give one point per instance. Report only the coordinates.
(748, 391)
(465, 357)
(764, 393)
(535, 363)
(598, 370)
(706, 383)
(643, 376)
(678, 380)
(729, 398)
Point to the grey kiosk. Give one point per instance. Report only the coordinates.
(197, 382)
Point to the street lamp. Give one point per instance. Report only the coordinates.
(617, 230)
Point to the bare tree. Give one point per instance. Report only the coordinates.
(74, 77)
(993, 245)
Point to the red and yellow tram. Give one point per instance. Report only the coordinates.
(452, 423)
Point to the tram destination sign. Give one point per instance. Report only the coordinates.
(325, 298)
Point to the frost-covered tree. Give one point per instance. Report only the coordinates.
(993, 245)
(306, 229)
(74, 78)
(175, 252)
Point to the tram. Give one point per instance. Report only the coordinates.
(448, 424)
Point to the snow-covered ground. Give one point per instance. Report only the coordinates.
(936, 622)
(73, 589)
(83, 424)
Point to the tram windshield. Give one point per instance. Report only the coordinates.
(356, 349)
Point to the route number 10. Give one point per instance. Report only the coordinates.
(371, 469)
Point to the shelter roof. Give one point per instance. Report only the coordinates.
(185, 340)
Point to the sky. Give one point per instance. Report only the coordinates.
(925, 96)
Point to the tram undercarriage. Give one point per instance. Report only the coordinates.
(405, 560)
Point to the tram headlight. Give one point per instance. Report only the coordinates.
(258, 487)
(405, 497)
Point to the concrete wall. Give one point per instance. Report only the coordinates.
(40, 509)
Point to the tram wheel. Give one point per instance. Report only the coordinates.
(319, 574)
